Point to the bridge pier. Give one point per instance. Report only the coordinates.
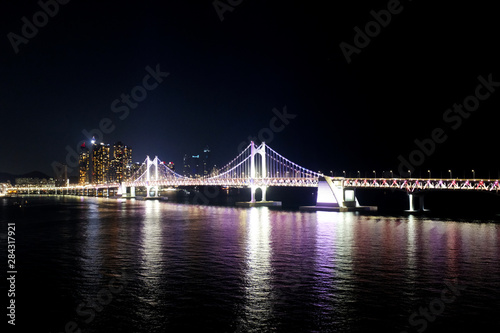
(422, 202)
(262, 202)
(264, 190)
(155, 193)
(333, 196)
(411, 203)
(253, 189)
(123, 190)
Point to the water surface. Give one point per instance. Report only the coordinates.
(149, 266)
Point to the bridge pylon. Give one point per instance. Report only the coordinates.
(261, 150)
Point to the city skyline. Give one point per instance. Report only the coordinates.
(96, 165)
(100, 164)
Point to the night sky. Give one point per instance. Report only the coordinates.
(226, 77)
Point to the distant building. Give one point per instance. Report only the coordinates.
(3, 188)
(83, 165)
(206, 162)
(191, 166)
(171, 166)
(39, 182)
(197, 166)
(185, 166)
(214, 171)
(127, 162)
(134, 167)
(100, 163)
(62, 177)
(119, 170)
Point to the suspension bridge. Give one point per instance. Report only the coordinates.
(256, 167)
(260, 167)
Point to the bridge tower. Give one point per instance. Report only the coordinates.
(261, 150)
(149, 177)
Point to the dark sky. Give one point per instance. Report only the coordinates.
(227, 76)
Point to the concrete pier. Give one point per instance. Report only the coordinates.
(332, 196)
(411, 204)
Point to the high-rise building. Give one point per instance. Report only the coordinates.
(127, 160)
(206, 163)
(62, 176)
(83, 165)
(121, 163)
(195, 170)
(134, 167)
(91, 167)
(171, 166)
(100, 163)
(197, 165)
(186, 166)
(191, 166)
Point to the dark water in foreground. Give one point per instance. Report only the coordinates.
(104, 265)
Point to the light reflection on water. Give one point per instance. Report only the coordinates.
(253, 270)
(92, 249)
(151, 249)
(258, 271)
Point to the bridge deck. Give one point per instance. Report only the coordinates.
(419, 184)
